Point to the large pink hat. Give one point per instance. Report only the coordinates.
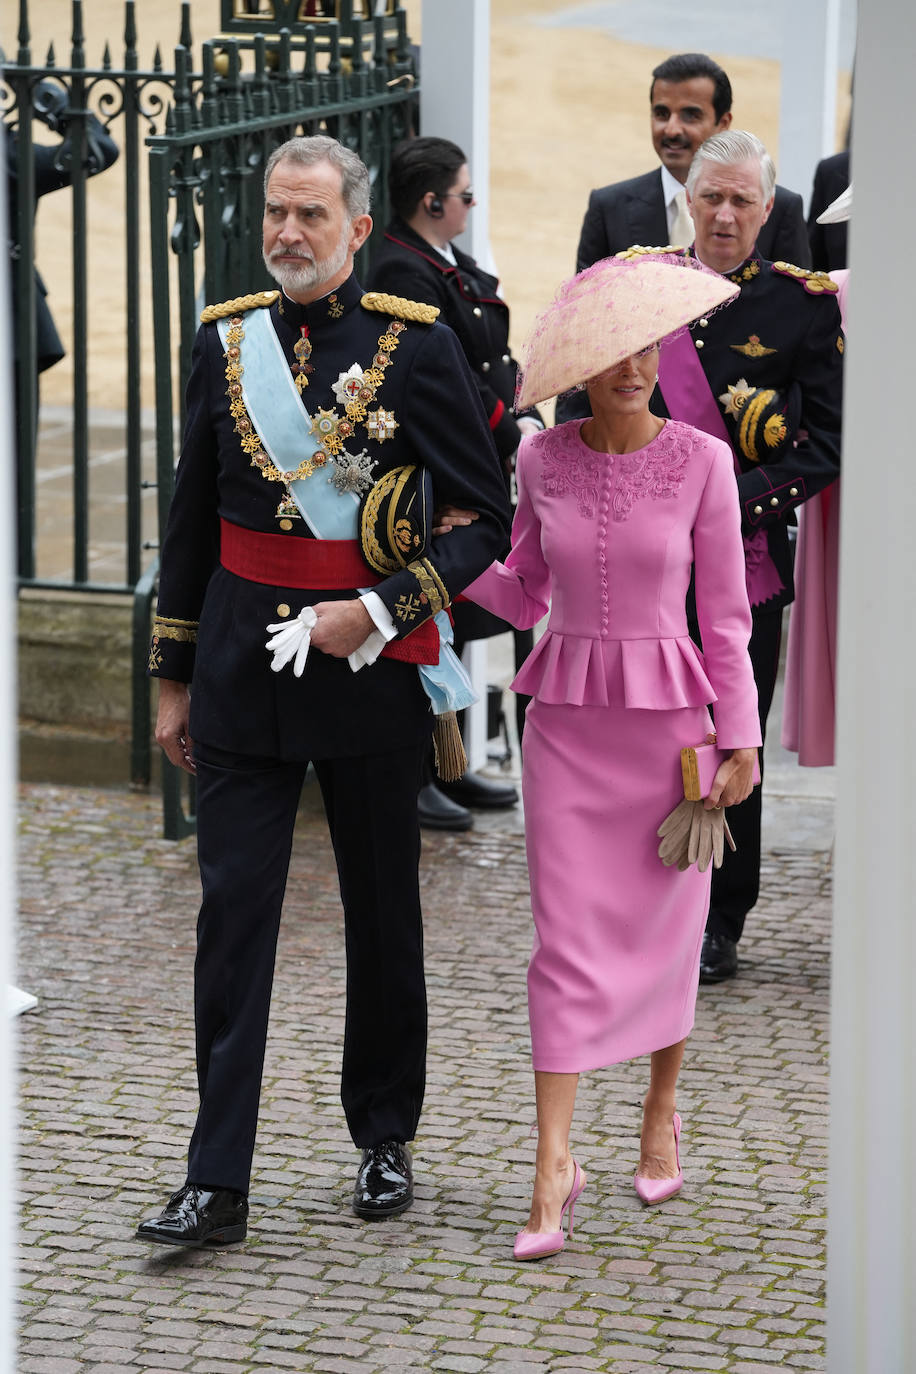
(611, 310)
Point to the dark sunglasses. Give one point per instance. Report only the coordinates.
(467, 197)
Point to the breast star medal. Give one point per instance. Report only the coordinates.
(735, 398)
(353, 472)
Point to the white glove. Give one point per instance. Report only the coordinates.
(292, 637)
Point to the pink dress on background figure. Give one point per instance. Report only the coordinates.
(809, 704)
(607, 542)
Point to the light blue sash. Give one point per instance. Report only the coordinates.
(278, 414)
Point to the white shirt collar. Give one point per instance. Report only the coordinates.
(670, 185)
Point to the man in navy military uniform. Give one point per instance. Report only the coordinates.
(766, 375)
(299, 401)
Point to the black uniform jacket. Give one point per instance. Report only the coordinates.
(633, 211)
(210, 626)
(782, 331)
(828, 241)
(406, 265)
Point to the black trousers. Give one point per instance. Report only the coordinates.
(736, 885)
(246, 811)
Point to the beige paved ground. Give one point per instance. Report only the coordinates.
(729, 1277)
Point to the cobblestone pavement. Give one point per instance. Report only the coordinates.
(728, 1277)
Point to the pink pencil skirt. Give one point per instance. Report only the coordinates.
(615, 964)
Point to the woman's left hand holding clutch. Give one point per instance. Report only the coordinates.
(734, 780)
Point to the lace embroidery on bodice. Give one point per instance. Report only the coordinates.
(656, 471)
(571, 467)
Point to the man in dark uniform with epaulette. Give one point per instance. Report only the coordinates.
(765, 375)
(322, 423)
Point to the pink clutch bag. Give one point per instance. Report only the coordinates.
(699, 765)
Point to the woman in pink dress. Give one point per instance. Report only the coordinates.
(613, 513)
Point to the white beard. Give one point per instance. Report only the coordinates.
(309, 273)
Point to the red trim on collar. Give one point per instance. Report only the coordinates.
(447, 270)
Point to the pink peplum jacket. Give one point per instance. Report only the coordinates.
(606, 542)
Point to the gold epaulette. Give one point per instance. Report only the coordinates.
(815, 283)
(638, 249)
(253, 302)
(416, 311)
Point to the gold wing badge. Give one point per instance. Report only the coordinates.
(753, 348)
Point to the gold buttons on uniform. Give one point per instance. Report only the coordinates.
(477, 311)
(286, 524)
(282, 609)
(774, 500)
(793, 491)
(758, 510)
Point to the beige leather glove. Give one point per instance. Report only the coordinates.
(675, 834)
(692, 835)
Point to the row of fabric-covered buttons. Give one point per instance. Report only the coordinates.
(603, 505)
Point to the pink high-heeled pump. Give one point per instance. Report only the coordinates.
(532, 1245)
(653, 1190)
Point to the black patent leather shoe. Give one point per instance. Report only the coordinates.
(718, 958)
(384, 1184)
(472, 789)
(197, 1217)
(436, 811)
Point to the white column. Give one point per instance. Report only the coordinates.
(8, 738)
(455, 98)
(871, 1325)
(455, 104)
(808, 76)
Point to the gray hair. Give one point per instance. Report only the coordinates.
(733, 145)
(354, 174)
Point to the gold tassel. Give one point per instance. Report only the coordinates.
(451, 760)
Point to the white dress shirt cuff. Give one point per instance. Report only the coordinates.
(375, 642)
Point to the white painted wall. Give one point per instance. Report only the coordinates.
(808, 80)
(872, 1197)
(455, 98)
(8, 741)
(455, 104)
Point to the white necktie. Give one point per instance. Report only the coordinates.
(682, 231)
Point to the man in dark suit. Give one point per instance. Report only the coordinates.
(690, 99)
(828, 241)
(300, 402)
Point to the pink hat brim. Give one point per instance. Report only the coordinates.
(611, 311)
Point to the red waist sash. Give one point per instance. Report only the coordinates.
(275, 560)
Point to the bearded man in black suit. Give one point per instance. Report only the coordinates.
(690, 100)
